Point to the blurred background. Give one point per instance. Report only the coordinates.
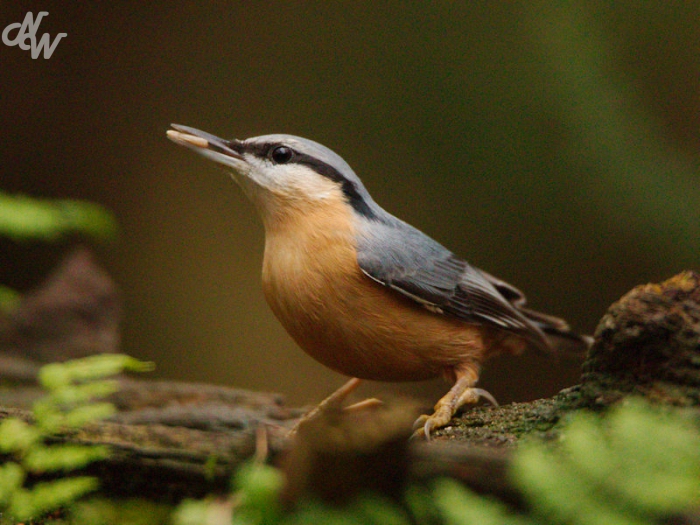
(554, 144)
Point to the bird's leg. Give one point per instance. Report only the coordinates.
(334, 402)
(462, 393)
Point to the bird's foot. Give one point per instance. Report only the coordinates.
(334, 402)
(447, 407)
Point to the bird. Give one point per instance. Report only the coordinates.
(363, 292)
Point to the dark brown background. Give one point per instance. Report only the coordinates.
(556, 147)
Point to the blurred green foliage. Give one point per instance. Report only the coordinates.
(638, 465)
(29, 218)
(26, 218)
(636, 178)
(74, 389)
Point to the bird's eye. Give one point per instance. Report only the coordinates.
(281, 154)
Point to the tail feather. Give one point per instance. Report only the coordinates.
(558, 333)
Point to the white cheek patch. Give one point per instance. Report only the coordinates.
(315, 186)
(291, 180)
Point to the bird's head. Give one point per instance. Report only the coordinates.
(277, 171)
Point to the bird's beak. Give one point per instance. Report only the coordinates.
(211, 146)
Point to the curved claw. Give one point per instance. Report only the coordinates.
(447, 407)
(419, 430)
(480, 392)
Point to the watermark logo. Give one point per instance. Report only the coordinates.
(27, 31)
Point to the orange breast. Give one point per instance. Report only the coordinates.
(344, 319)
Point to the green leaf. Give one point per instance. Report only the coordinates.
(62, 457)
(23, 217)
(561, 494)
(11, 478)
(373, 509)
(667, 452)
(43, 497)
(54, 420)
(81, 393)
(74, 387)
(420, 501)
(17, 436)
(459, 506)
(57, 375)
(258, 487)
(193, 512)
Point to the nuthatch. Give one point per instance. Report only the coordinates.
(363, 292)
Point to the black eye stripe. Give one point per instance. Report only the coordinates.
(348, 187)
(237, 146)
(256, 149)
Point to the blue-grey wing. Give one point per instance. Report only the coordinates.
(413, 264)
